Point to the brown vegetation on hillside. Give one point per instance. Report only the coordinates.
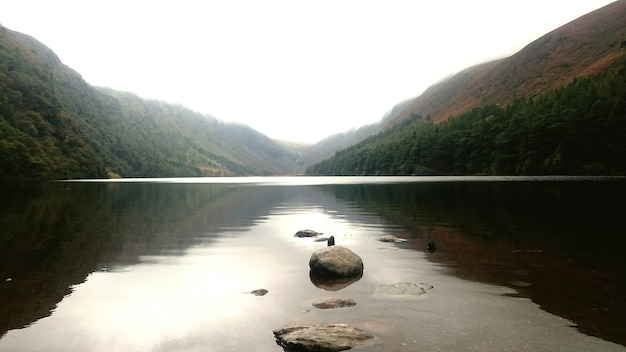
(577, 49)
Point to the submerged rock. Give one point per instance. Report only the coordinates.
(324, 338)
(335, 261)
(307, 233)
(332, 303)
(391, 238)
(402, 289)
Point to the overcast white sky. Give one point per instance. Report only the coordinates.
(293, 70)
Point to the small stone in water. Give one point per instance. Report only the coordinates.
(259, 292)
(332, 303)
(307, 233)
(391, 238)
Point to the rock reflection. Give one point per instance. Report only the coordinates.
(333, 283)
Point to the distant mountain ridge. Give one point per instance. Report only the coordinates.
(328, 146)
(577, 49)
(53, 125)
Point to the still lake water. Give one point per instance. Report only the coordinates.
(523, 264)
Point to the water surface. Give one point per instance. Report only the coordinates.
(165, 264)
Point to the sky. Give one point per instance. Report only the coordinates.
(293, 70)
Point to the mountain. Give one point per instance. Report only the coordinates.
(578, 49)
(556, 107)
(327, 147)
(53, 125)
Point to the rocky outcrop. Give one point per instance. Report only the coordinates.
(335, 261)
(332, 303)
(324, 338)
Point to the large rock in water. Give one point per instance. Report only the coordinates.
(325, 338)
(335, 261)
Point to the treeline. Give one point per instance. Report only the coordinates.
(37, 138)
(579, 129)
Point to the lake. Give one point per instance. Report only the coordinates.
(521, 264)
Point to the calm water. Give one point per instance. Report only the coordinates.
(164, 265)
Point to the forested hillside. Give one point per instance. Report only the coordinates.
(555, 107)
(53, 125)
(578, 129)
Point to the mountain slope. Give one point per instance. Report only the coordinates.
(577, 49)
(556, 107)
(327, 147)
(580, 48)
(579, 129)
(54, 125)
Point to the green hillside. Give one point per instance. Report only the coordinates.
(53, 125)
(555, 107)
(578, 129)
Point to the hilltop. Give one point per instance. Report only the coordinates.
(580, 48)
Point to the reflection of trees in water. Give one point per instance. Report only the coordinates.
(42, 242)
(54, 235)
(565, 239)
(575, 218)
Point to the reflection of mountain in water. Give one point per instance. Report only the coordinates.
(560, 243)
(54, 235)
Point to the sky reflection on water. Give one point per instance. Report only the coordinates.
(171, 263)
